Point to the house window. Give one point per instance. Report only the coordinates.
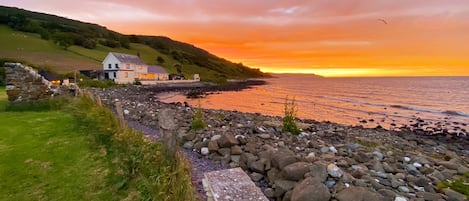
(126, 74)
(117, 65)
(115, 75)
(109, 66)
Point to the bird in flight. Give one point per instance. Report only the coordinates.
(383, 20)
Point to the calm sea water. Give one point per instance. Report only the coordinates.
(388, 102)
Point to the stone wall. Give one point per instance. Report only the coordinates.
(23, 83)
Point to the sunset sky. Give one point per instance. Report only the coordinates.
(325, 37)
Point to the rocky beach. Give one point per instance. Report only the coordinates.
(327, 161)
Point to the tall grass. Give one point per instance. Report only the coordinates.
(289, 118)
(141, 165)
(198, 119)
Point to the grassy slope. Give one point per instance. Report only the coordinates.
(34, 50)
(44, 157)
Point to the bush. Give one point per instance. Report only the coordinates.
(198, 121)
(289, 119)
(97, 83)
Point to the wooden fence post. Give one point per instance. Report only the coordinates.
(168, 125)
(120, 113)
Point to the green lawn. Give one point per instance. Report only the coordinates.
(45, 157)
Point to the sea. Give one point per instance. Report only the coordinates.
(388, 102)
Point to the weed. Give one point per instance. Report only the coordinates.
(198, 121)
(459, 185)
(289, 119)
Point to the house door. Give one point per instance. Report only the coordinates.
(106, 76)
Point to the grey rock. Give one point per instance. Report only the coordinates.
(282, 158)
(412, 169)
(256, 176)
(227, 140)
(453, 195)
(257, 166)
(264, 136)
(235, 158)
(388, 195)
(282, 186)
(269, 192)
(236, 150)
(358, 194)
(188, 145)
(334, 171)
(422, 181)
(319, 171)
(188, 136)
(296, 171)
(324, 149)
(287, 196)
(330, 183)
(309, 187)
(225, 152)
(204, 151)
(215, 137)
(452, 165)
(378, 155)
(212, 146)
(403, 189)
(429, 196)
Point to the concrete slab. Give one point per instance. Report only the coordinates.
(232, 185)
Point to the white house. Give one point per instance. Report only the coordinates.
(126, 68)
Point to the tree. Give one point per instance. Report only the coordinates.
(178, 68)
(160, 59)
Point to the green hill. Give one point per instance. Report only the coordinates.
(63, 45)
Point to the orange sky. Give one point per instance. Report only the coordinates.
(331, 38)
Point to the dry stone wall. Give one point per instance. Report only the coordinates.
(24, 84)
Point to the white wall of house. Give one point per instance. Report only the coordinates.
(125, 77)
(111, 63)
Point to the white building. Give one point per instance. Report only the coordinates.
(126, 68)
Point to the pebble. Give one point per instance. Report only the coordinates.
(204, 151)
(398, 198)
(403, 189)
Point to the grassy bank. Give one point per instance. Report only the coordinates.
(80, 152)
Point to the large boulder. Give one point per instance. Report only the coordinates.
(310, 189)
(296, 171)
(358, 194)
(227, 140)
(319, 171)
(283, 157)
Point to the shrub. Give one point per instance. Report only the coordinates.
(289, 119)
(97, 83)
(198, 121)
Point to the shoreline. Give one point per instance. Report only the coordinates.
(384, 163)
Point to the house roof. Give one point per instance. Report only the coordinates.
(47, 76)
(127, 58)
(156, 69)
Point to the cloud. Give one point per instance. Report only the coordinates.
(289, 10)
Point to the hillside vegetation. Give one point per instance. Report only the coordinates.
(64, 45)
